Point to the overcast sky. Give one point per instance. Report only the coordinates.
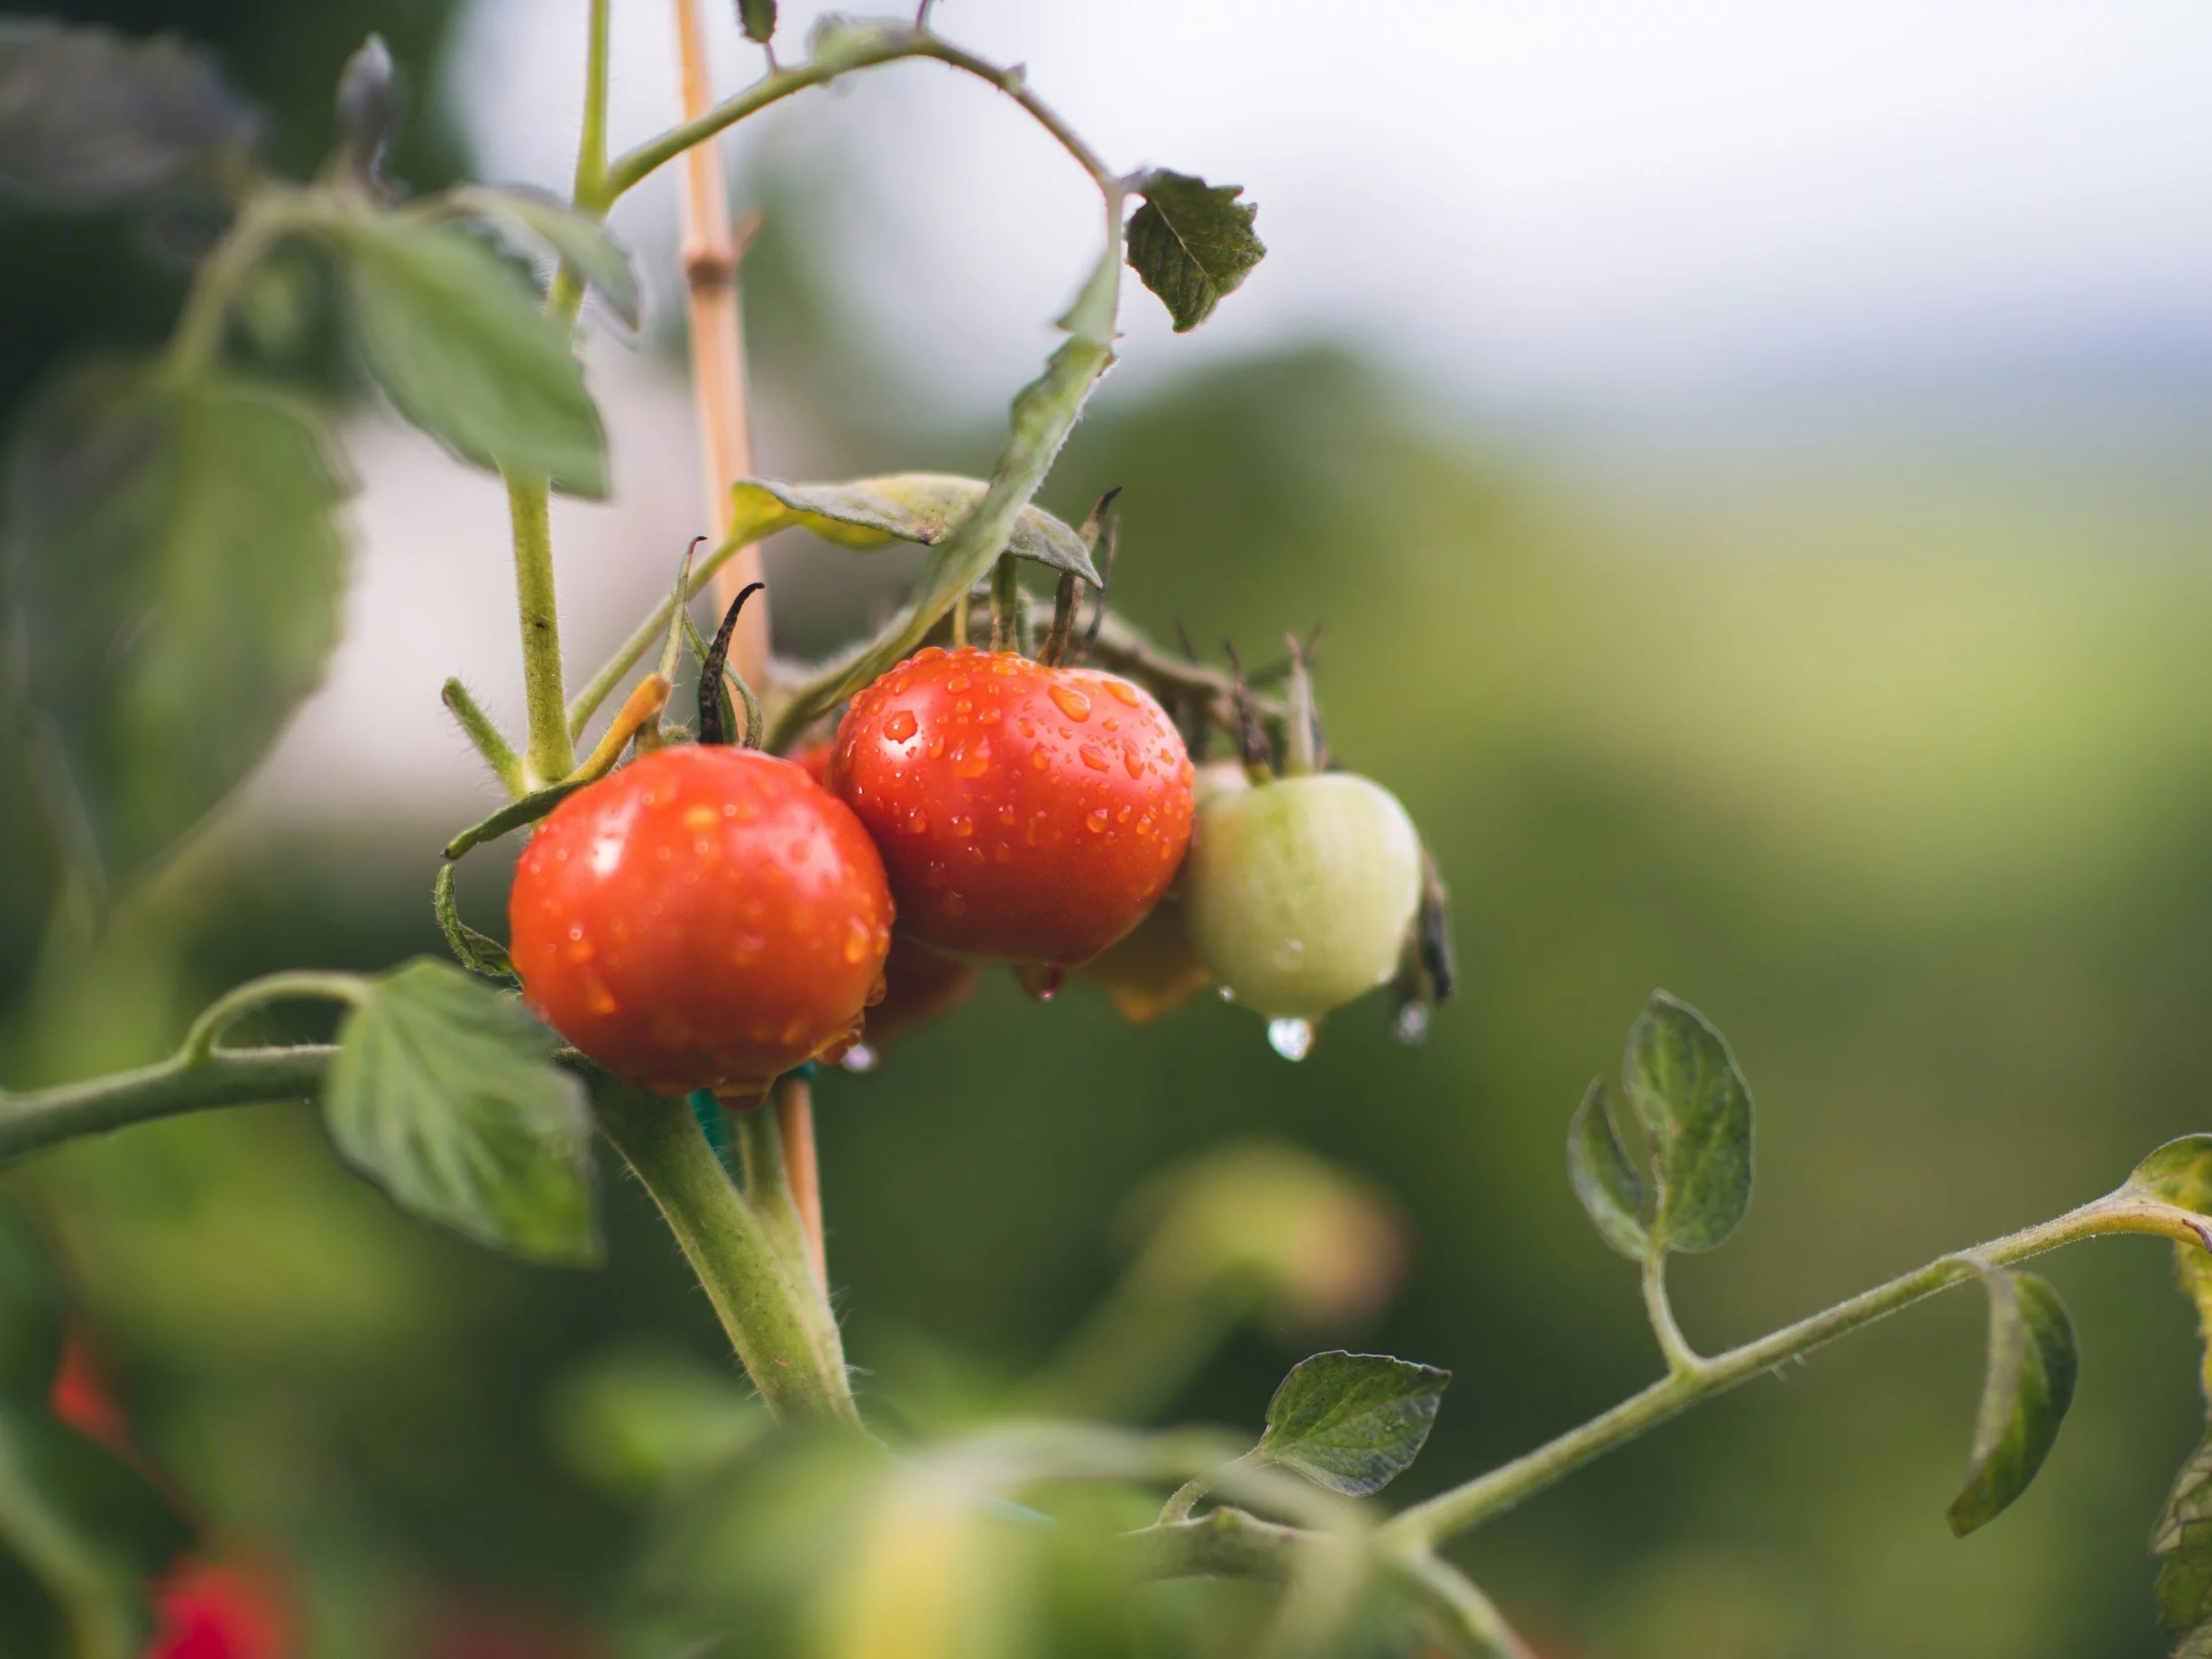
(1548, 200)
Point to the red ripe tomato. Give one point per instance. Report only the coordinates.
(919, 985)
(1026, 814)
(704, 918)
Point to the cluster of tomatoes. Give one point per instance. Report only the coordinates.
(710, 917)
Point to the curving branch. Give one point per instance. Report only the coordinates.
(32, 1123)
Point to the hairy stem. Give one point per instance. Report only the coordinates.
(550, 756)
(1477, 1500)
(42, 1118)
(293, 985)
(778, 1325)
(484, 735)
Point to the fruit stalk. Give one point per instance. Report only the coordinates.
(782, 1329)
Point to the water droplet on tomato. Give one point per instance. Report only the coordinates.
(974, 760)
(1094, 757)
(937, 874)
(959, 682)
(900, 726)
(1072, 702)
(963, 827)
(1096, 820)
(917, 823)
(954, 905)
(1121, 690)
(1291, 1039)
(1040, 760)
(1132, 760)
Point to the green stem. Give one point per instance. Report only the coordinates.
(591, 145)
(1233, 1544)
(199, 1040)
(42, 1118)
(549, 755)
(886, 46)
(631, 651)
(263, 216)
(485, 736)
(773, 1318)
(1680, 1356)
(1477, 1500)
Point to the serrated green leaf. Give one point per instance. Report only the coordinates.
(583, 242)
(757, 19)
(89, 118)
(445, 1094)
(1192, 242)
(86, 1524)
(1695, 1109)
(1597, 1169)
(923, 508)
(2028, 1386)
(1351, 1422)
(173, 560)
(458, 341)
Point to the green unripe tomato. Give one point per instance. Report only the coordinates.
(1301, 891)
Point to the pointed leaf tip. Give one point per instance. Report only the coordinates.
(1695, 1109)
(1351, 1422)
(1598, 1168)
(2029, 1385)
(1192, 243)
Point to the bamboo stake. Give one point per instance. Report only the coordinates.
(710, 256)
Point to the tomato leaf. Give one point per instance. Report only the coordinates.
(2029, 1385)
(173, 560)
(1351, 1422)
(757, 19)
(1598, 1169)
(584, 243)
(1192, 242)
(457, 340)
(445, 1094)
(89, 118)
(1696, 1113)
(906, 507)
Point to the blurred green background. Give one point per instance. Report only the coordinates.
(1892, 753)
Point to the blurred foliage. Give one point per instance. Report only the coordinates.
(1896, 764)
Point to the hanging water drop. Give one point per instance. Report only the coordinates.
(1227, 995)
(859, 1058)
(1291, 1039)
(1412, 1026)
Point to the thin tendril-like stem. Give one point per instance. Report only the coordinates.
(1474, 1502)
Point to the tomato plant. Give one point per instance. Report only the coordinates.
(694, 914)
(707, 918)
(1026, 814)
